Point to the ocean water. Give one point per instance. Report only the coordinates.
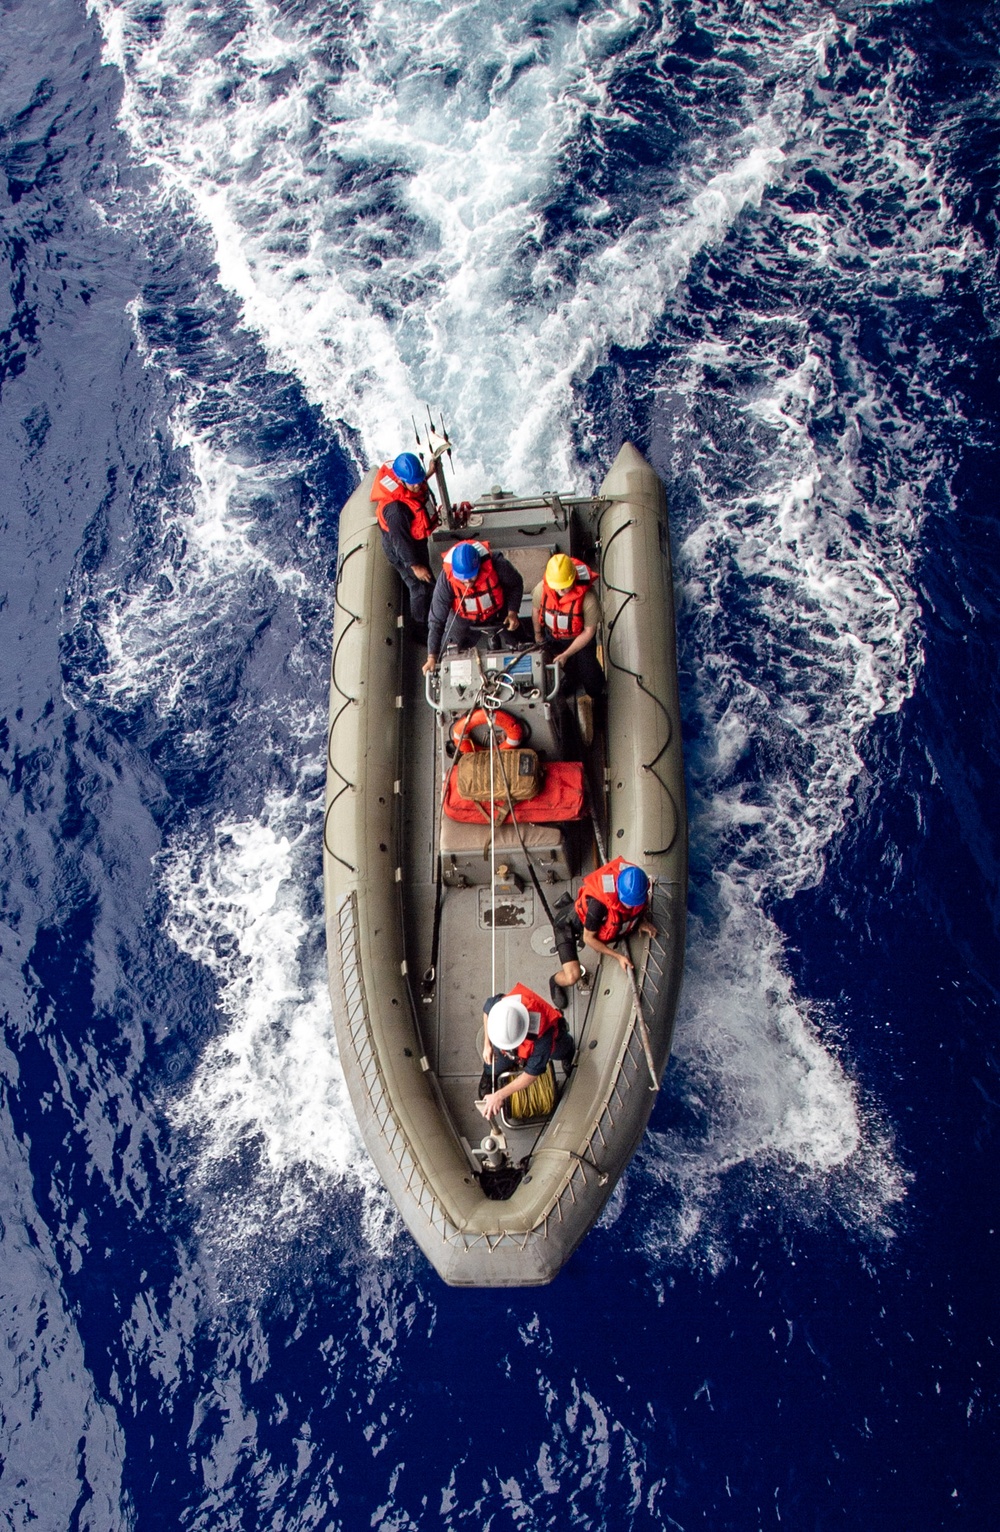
(243, 242)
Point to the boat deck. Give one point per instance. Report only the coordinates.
(450, 1017)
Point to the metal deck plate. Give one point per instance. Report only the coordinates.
(506, 911)
(543, 942)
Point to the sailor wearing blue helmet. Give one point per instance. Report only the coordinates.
(407, 514)
(611, 904)
(477, 591)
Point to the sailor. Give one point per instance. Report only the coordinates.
(565, 614)
(521, 1033)
(476, 589)
(407, 514)
(611, 904)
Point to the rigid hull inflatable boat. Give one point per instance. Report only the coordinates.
(428, 902)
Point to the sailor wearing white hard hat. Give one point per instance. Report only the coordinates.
(521, 1034)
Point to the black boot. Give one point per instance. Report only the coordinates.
(558, 994)
(568, 1059)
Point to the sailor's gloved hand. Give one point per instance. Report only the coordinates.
(490, 1105)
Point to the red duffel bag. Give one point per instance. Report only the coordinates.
(561, 798)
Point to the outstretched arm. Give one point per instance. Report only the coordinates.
(437, 619)
(511, 582)
(596, 945)
(491, 1104)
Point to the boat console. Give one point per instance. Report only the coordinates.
(520, 682)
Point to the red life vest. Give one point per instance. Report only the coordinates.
(562, 610)
(602, 885)
(482, 598)
(416, 498)
(542, 1018)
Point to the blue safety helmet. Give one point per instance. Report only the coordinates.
(409, 468)
(632, 886)
(465, 562)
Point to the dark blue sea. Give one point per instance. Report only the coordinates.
(243, 240)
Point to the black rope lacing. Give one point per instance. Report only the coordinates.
(630, 596)
(349, 701)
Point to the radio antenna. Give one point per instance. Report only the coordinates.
(439, 445)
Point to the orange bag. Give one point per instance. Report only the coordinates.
(561, 798)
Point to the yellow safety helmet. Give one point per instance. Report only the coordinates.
(560, 571)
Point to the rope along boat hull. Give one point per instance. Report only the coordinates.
(415, 920)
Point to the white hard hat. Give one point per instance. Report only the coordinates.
(507, 1024)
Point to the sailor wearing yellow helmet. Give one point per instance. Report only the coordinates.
(566, 614)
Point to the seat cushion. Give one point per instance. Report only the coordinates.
(458, 838)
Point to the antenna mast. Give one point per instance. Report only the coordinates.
(438, 444)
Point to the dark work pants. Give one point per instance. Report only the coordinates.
(465, 634)
(420, 590)
(582, 669)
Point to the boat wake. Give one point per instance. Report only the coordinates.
(411, 202)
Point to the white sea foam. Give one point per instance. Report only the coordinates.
(198, 585)
(270, 1083)
(375, 187)
(325, 269)
(789, 571)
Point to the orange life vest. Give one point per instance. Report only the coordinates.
(562, 610)
(602, 885)
(542, 1018)
(416, 498)
(482, 598)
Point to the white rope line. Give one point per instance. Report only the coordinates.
(493, 857)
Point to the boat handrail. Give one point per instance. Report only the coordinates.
(549, 501)
(432, 676)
